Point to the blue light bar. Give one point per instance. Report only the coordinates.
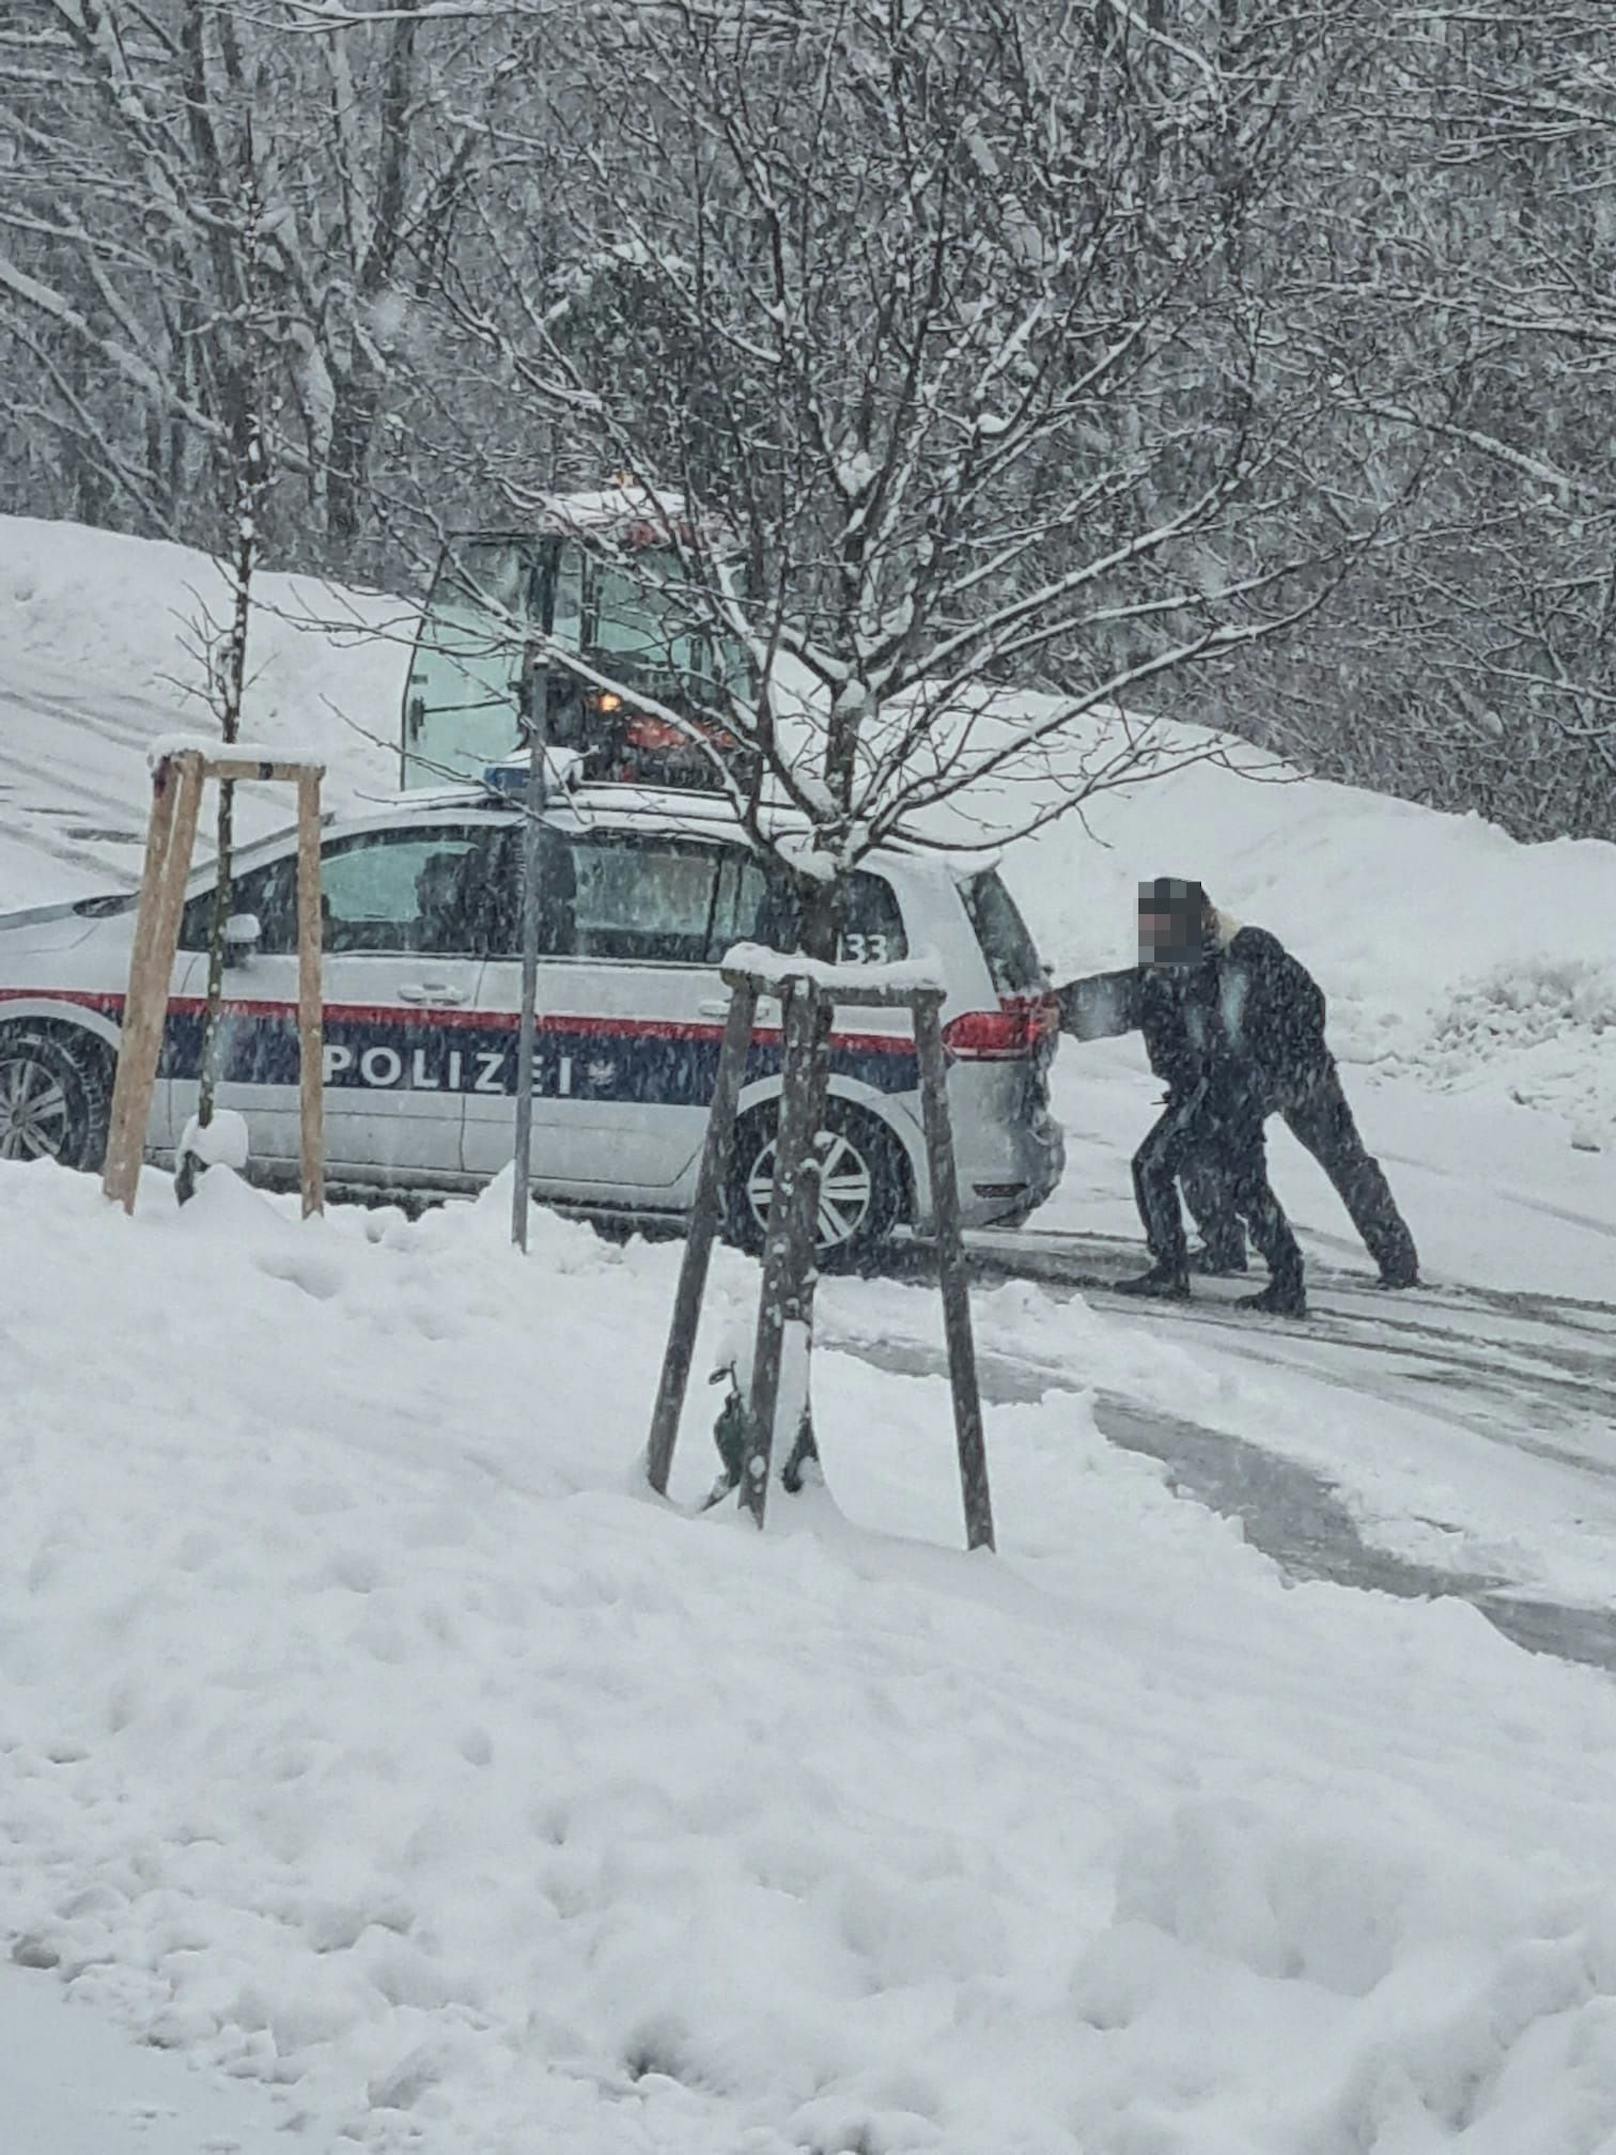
(510, 780)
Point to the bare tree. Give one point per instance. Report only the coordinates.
(222, 646)
(940, 373)
(972, 387)
(1470, 160)
(121, 259)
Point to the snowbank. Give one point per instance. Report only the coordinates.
(368, 1731)
(118, 620)
(1448, 950)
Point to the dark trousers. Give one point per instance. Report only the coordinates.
(1317, 1115)
(1222, 1130)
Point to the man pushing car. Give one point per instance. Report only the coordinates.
(1234, 1027)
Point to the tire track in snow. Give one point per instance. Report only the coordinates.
(1288, 1510)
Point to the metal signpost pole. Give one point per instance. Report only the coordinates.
(310, 996)
(538, 727)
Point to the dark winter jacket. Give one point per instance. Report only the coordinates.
(1281, 1026)
(1249, 1014)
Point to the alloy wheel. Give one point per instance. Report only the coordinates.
(846, 1189)
(35, 1114)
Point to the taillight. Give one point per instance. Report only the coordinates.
(1019, 1027)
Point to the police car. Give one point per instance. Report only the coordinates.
(641, 893)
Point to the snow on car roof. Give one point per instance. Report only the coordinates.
(674, 805)
(634, 516)
(672, 809)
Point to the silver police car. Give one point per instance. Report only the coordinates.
(641, 894)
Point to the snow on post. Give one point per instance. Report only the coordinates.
(169, 745)
(222, 1142)
(772, 972)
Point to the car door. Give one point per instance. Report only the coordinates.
(403, 911)
(630, 1012)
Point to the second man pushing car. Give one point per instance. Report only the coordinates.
(1216, 1003)
(1234, 1027)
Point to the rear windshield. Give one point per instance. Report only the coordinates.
(104, 902)
(1006, 942)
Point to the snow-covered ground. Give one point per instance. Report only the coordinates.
(76, 2085)
(368, 1732)
(368, 1729)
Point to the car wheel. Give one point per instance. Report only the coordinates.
(55, 1098)
(862, 1190)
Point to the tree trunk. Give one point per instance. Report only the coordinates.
(227, 687)
(353, 422)
(780, 1412)
(780, 1419)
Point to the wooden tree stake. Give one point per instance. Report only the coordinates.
(177, 785)
(962, 1379)
(705, 1218)
(176, 802)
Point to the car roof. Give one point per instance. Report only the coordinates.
(673, 811)
(637, 807)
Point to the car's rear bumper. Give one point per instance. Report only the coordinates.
(1009, 1151)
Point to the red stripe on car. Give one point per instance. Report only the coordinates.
(488, 1021)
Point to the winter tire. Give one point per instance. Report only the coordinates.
(861, 1196)
(55, 1098)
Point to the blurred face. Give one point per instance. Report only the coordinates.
(1170, 927)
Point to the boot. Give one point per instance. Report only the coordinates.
(1282, 1297)
(1218, 1260)
(1399, 1274)
(1162, 1283)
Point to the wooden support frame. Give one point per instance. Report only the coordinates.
(177, 782)
(799, 1026)
(170, 836)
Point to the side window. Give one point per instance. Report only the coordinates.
(738, 912)
(443, 892)
(558, 897)
(873, 934)
(435, 891)
(269, 891)
(650, 899)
